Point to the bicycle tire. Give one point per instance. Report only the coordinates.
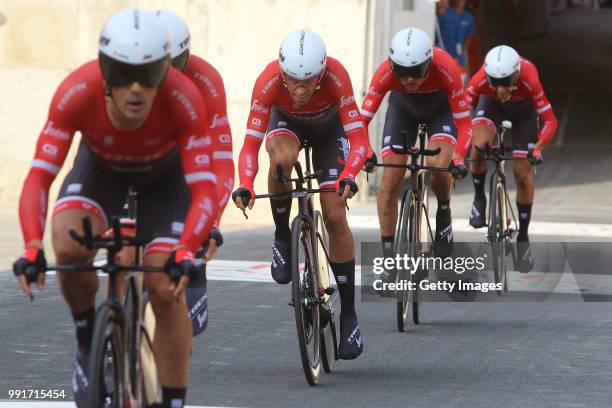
(304, 291)
(328, 346)
(403, 241)
(503, 227)
(495, 233)
(107, 351)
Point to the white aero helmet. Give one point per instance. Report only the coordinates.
(502, 66)
(410, 53)
(180, 40)
(302, 54)
(134, 47)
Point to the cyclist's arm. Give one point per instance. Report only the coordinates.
(542, 105)
(257, 124)
(379, 85)
(354, 127)
(220, 131)
(51, 150)
(459, 108)
(474, 87)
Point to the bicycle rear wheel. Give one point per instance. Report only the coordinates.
(305, 290)
(106, 364)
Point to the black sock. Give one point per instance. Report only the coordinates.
(524, 211)
(281, 210)
(387, 246)
(345, 277)
(479, 183)
(84, 323)
(443, 208)
(173, 397)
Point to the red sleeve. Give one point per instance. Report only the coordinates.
(196, 150)
(449, 73)
(210, 84)
(351, 121)
(51, 149)
(257, 124)
(474, 87)
(379, 86)
(541, 103)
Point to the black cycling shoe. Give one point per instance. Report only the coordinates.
(444, 234)
(281, 263)
(524, 258)
(351, 343)
(80, 381)
(478, 218)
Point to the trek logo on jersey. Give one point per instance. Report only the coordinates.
(50, 149)
(73, 90)
(256, 107)
(208, 83)
(345, 101)
(218, 121)
(186, 104)
(269, 84)
(446, 74)
(334, 78)
(55, 132)
(196, 142)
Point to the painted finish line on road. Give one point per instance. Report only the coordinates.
(571, 229)
(62, 404)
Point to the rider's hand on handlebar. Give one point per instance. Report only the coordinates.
(30, 268)
(458, 168)
(180, 266)
(534, 157)
(370, 162)
(346, 187)
(243, 198)
(215, 241)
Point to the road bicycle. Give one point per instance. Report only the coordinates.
(122, 371)
(413, 232)
(313, 297)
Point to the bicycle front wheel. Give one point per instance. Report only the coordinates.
(497, 220)
(106, 361)
(305, 290)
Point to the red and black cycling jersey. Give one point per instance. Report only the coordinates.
(444, 75)
(209, 82)
(528, 86)
(178, 117)
(335, 92)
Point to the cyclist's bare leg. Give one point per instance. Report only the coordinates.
(523, 175)
(282, 150)
(78, 288)
(341, 244)
(386, 201)
(481, 135)
(441, 182)
(172, 338)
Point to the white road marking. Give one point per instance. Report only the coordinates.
(573, 229)
(61, 404)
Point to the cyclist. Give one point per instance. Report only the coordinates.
(507, 87)
(307, 96)
(144, 124)
(210, 84)
(425, 85)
